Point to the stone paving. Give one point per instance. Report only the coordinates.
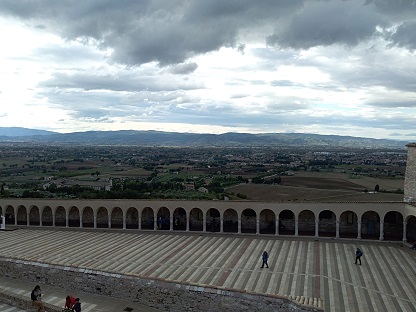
(306, 267)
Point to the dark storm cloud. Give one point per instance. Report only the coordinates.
(405, 36)
(142, 31)
(327, 23)
(183, 69)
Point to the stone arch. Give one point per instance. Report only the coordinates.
(88, 217)
(213, 223)
(393, 226)
(9, 213)
(248, 221)
(348, 224)
(286, 222)
(21, 215)
(230, 221)
(117, 218)
(179, 219)
(306, 223)
(163, 218)
(327, 223)
(196, 220)
(34, 215)
(132, 218)
(60, 216)
(102, 217)
(148, 219)
(370, 225)
(411, 229)
(267, 222)
(47, 216)
(73, 217)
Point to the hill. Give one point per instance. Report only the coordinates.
(159, 138)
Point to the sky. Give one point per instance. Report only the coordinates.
(340, 67)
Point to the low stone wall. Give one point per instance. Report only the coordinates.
(23, 302)
(159, 294)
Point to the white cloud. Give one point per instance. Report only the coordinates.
(328, 67)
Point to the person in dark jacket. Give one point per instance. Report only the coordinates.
(77, 306)
(265, 257)
(35, 295)
(358, 255)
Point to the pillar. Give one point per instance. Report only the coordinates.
(187, 220)
(359, 229)
(239, 225)
(139, 226)
(27, 219)
(171, 224)
(204, 223)
(337, 229)
(296, 227)
(381, 230)
(316, 227)
(95, 221)
(277, 226)
(80, 221)
(404, 231)
(257, 225)
(221, 225)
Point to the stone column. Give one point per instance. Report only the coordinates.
(15, 218)
(410, 174)
(187, 220)
(404, 231)
(27, 219)
(3, 222)
(170, 224)
(381, 230)
(80, 221)
(95, 221)
(277, 227)
(296, 227)
(109, 221)
(337, 229)
(40, 218)
(53, 219)
(239, 225)
(316, 227)
(257, 225)
(66, 219)
(221, 225)
(359, 229)
(204, 223)
(124, 220)
(139, 226)
(155, 222)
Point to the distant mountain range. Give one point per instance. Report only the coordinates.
(158, 138)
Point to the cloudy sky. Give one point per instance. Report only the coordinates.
(345, 67)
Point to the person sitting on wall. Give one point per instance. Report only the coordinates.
(69, 302)
(36, 298)
(77, 306)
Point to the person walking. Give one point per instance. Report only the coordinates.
(358, 255)
(265, 257)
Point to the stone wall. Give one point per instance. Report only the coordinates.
(410, 175)
(158, 294)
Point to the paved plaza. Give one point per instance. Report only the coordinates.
(307, 267)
